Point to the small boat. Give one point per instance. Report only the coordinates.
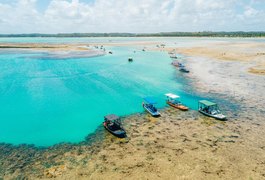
(110, 52)
(177, 64)
(148, 105)
(172, 100)
(210, 109)
(173, 57)
(130, 59)
(183, 69)
(112, 123)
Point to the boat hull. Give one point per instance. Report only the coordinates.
(121, 134)
(213, 116)
(180, 107)
(184, 70)
(157, 114)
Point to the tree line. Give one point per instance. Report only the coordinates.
(162, 34)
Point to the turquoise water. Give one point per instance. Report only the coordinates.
(48, 101)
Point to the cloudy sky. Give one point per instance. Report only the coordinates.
(68, 16)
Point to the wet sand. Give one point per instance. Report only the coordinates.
(178, 145)
(44, 46)
(55, 51)
(252, 54)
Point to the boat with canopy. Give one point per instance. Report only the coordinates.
(210, 109)
(112, 123)
(148, 105)
(173, 100)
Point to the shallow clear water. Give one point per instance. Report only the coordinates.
(45, 101)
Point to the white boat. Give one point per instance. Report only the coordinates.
(148, 105)
(210, 109)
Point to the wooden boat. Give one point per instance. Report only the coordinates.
(148, 105)
(210, 109)
(172, 100)
(112, 123)
(183, 69)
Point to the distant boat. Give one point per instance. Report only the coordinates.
(183, 69)
(110, 52)
(130, 59)
(148, 105)
(173, 57)
(210, 109)
(112, 123)
(172, 100)
(177, 64)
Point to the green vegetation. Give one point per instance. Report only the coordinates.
(162, 34)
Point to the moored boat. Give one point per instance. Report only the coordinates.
(148, 105)
(172, 100)
(177, 64)
(210, 109)
(183, 69)
(130, 59)
(173, 57)
(112, 123)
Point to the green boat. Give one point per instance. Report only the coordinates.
(210, 109)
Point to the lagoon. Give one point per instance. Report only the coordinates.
(45, 101)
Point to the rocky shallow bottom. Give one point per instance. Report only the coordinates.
(184, 145)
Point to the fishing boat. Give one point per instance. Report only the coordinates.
(112, 123)
(130, 59)
(183, 69)
(173, 100)
(148, 105)
(210, 109)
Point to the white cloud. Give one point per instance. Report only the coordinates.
(130, 16)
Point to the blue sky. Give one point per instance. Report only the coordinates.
(66, 16)
(43, 4)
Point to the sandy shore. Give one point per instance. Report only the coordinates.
(252, 54)
(178, 145)
(44, 46)
(55, 51)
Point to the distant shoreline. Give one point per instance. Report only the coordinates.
(162, 34)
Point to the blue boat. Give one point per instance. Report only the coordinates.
(148, 105)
